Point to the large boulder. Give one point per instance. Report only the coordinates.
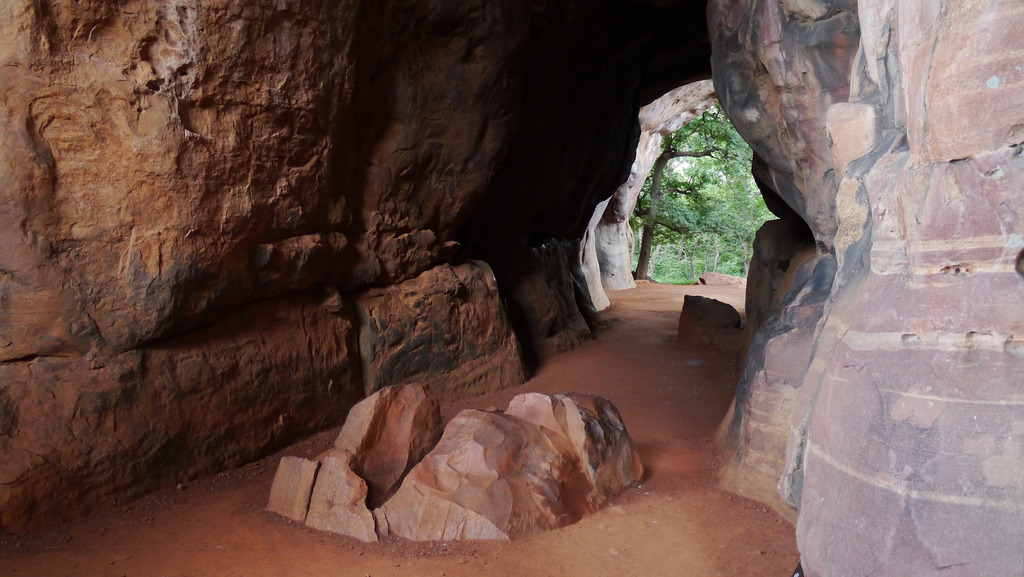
(542, 465)
(491, 476)
(591, 428)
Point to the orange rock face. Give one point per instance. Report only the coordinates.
(195, 196)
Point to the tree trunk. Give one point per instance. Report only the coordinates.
(693, 261)
(646, 237)
(746, 259)
(651, 218)
(644, 259)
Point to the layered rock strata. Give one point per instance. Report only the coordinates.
(900, 435)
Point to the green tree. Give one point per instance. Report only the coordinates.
(700, 204)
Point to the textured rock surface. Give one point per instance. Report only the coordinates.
(292, 488)
(546, 296)
(123, 424)
(387, 433)
(338, 503)
(171, 169)
(778, 99)
(899, 434)
(704, 321)
(542, 465)
(383, 436)
(591, 428)
(165, 163)
(445, 329)
(491, 476)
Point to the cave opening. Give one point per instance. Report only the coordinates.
(224, 225)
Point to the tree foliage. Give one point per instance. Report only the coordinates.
(706, 207)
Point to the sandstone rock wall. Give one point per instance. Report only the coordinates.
(204, 204)
(192, 194)
(900, 430)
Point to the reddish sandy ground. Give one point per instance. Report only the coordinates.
(676, 523)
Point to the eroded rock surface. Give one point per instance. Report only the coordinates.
(387, 433)
(542, 465)
(887, 381)
(172, 167)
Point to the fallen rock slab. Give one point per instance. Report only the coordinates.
(338, 503)
(292, 487)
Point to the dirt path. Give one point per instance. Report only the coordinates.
(674, 524)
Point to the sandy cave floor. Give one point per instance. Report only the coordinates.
(675, 523)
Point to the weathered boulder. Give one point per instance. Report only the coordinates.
(591, 428)
(387, 433)
(704, 321)
(445, 328)
(382, 438)
(542, 465)
(492, 476)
